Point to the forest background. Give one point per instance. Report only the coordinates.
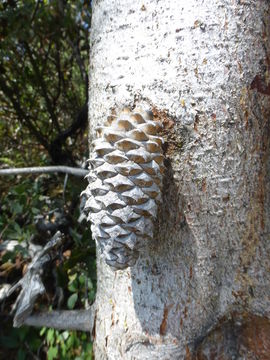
(43, 121)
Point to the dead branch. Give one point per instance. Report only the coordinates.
(31, 284)
(63, 320)
(45, 170)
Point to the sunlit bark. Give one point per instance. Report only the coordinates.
(203, 68)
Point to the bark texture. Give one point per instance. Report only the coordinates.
(203, 68)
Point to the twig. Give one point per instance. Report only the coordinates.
(45, 170)
(63, 320)
(64, 187)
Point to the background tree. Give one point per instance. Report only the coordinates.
(43, 81)
(43, 108)
(201, 288)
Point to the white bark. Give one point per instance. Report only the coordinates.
(206, 65)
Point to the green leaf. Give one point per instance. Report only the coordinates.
(82, 279)
(71, 342)
(6, 161)
(91, 295)
(73, 283)
(35, 211)
(50, 336)
(90, 284)
(72, 301)
(16, 208)
(73, 277)
(17, 226)
(42, 331)
(73, 287)
(52, 353)
(20, 189)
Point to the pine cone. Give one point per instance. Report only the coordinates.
(125, 182)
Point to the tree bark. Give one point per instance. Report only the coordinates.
(203, 284)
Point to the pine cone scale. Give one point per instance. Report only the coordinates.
(125, 183)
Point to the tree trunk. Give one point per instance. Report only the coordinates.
(201, 288)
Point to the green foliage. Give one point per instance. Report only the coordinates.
(26, 342)
(43, 91)
(21, 205)
(20, 343)
(80, 284)
(67, 345)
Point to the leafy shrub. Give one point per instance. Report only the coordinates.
(73, 273)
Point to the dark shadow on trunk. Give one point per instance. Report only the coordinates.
(173, 244)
